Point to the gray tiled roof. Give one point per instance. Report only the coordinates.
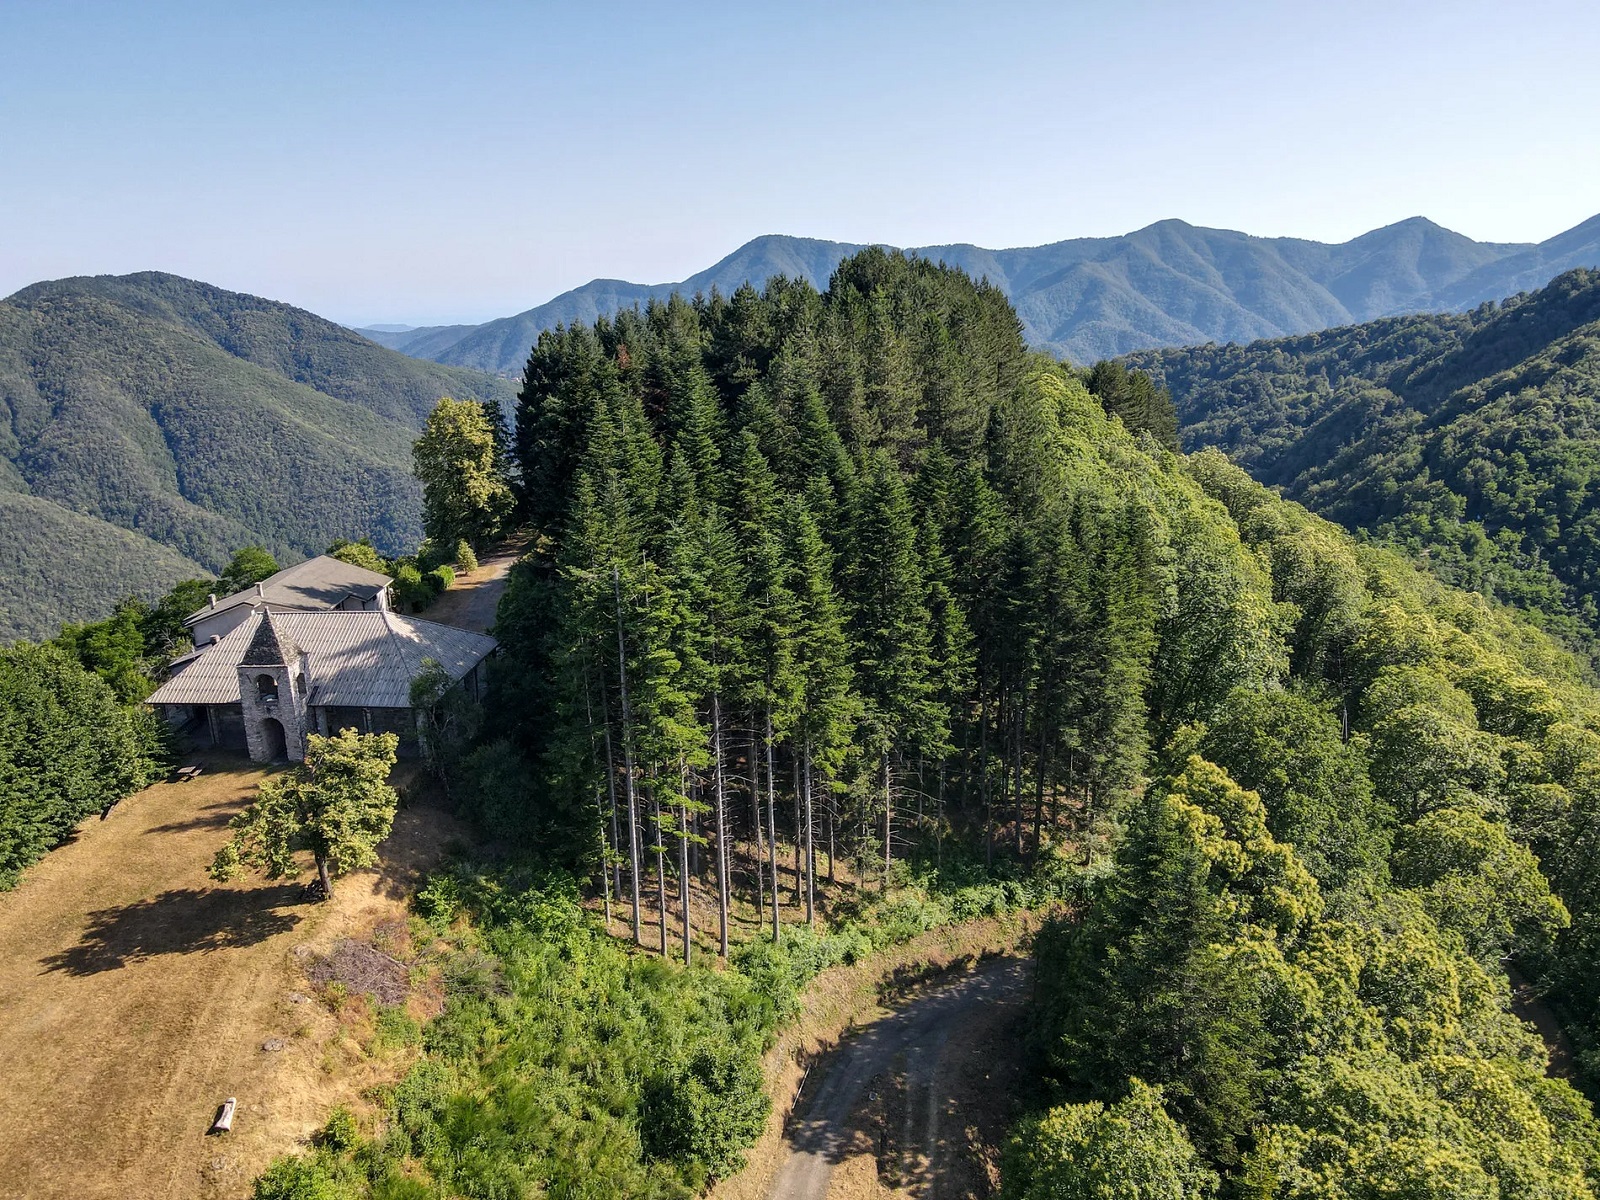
(267, 649)
(317, 583)
(356, 659)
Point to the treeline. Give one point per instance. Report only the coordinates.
(852, 569)
(845, 575)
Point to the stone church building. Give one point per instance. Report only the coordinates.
(278, 675)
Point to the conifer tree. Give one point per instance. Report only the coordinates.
(771, 687)
(825, 710)
(890, 630)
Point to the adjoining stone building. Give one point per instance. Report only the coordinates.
(317, 585)
(280, 675)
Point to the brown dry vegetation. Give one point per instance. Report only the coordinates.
(136, 995)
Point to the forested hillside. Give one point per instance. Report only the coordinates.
(153, 425)
(1170, 284)
(853, 575)
(1473, 439)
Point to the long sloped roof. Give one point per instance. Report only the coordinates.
(354, 659)
(319, 582)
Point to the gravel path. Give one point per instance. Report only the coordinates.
(471, 601)
(927, 1046)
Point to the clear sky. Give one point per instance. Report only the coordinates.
(431, 162)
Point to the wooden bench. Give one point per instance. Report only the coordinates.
(185, 774)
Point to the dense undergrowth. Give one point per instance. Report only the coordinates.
(566, 1064)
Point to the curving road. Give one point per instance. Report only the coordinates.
(930, 1053)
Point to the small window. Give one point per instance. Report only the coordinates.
(300, 683)
(266, 689)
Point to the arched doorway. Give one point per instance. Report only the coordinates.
(277, 742)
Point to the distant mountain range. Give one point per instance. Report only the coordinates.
(151, 425)
(1169, 284)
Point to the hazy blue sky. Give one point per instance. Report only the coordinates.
(436, 162)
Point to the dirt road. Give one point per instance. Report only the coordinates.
(906, 1106)
(471, 601)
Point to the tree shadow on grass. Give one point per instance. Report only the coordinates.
(213, 816)
(180, 921)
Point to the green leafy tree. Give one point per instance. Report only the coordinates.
(245, 569)
(338, 806)
(464, 494)
(1290, 749)
(1128, 1150)
(68, 748)
(361, 554)
(1474, 880)
(114, 649)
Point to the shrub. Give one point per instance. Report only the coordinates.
(300, 1179)
(707, 1110)
(496, 794)
(409, 589)
(465, 558)
(339, 1134)
(439, 579)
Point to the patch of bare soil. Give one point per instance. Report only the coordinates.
(136, 995)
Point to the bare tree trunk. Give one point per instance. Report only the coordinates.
(599, 804)
(772, 827)
(983, 779)
(627, 756)
(811, 854)
(798, 838)
(833, 820)
(938, 819)
(683, 862)
(1038, 793)
(755, 820)
(888, 822)
(325, 877)
(719, 786)
(614, 879)
(661, 863)
(1021, 719)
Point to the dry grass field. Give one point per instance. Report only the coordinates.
(136, 995)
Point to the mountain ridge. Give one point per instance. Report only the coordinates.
(150, 425)
(1168, 284)
(1472, 438)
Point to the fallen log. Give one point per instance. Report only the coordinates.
(224, 1121)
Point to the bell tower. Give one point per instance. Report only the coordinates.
(272, 692)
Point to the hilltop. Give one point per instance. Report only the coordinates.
(1169, 284)
(154, 424)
